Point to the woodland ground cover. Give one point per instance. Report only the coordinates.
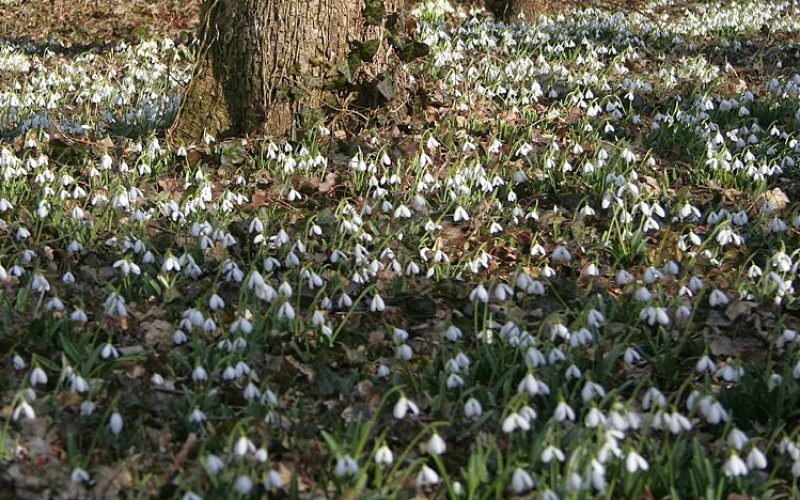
(567, 271)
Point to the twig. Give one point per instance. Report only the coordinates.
(179, 459)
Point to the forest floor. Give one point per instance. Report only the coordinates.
(567, 271)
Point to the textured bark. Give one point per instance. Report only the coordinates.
(511, 9)
(262, 62)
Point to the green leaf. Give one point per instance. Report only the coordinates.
(367, 50)
(171, 294)
(70, 349)
(409, 49)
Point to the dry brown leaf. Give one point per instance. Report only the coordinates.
(738, 308)
(306, 370)
(157, 333)
(776, 198)
(328, 183)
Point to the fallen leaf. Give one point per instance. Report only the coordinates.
(738, 308)
(157, 333)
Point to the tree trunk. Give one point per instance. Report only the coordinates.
(264, 64)
(511, 9)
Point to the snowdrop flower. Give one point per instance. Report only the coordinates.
(676, 423)
(643, 295)
(573, 373)
(530, 385)
(635, 462)
(730, 373)
(460, 214)
(38, 377)
(87, 407)
(243, 485)
(39, 284)
(653, 398)
(631, 356)
(592, 390)
(590, 271)
(594, 318)
(243, 446)
(756, 459)
(521, 481)
(737, 439)
(346, 466)
(479, 294)
(286, 312)
(274, 480)
(215, 302)
(564, 412)
(718, 298)
(79, 475)
(377, 304)
(402, 212)
(114, 306)
(403, 406)
(594, 418)
(515, 421)
(623, 278)
(384, 456)
(115, 423)
(777, 225)
(502, 292)
(199, 374)
(18, 362)
(552, 453)
(560, 255)
(427, 477)
(261, 455)
(654, 315)
(472, 409)
(704, 364)
(734, 466)
(651, 275)
(405, 352)
(436, 445)
(775, 380)
(197, 416)
(79, 385)
(213, 465)
(24, 410)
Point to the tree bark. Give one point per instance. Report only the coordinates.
(511, 9)
(265, 64)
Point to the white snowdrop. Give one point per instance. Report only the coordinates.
(472, 409)
(756, 459)
(115, 423)
(551, 453)
(436, 445)
(734, 466)
(243, 484)
(384, 456)
(521, 481)
(635, 462)
(346, 466)
(403, 407)
(717, 298)
(460, 214)
(427, 477)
